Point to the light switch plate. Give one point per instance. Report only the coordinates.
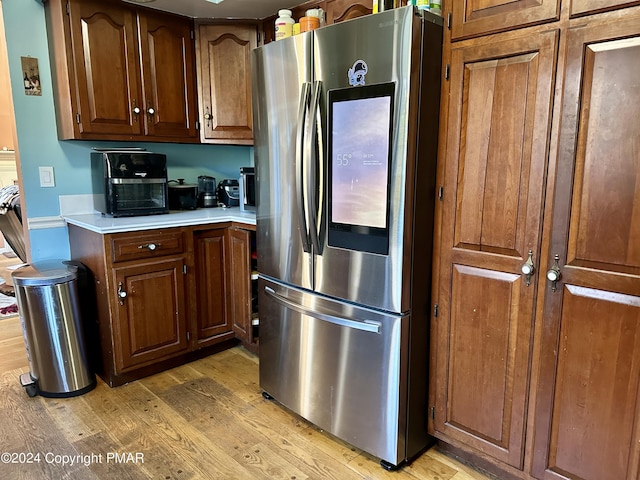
(46, 177)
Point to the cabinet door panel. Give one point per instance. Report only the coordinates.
(106, 65)
(225, 82)
(484, 336)
(152, 317)
(211, 258)
(497, 141)
(588, 425)
(478, 17)
(595, 413)
(584, 7)
(341, 10)
(240, 282)
(168, 62)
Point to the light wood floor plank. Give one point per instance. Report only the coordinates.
(235, 372)
(13, 354)
(186, 442)
(28, 429)
(428, 467)
(265, 462)
(74, 417)
(463, 472)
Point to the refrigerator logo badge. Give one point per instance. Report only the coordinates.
(357, 73)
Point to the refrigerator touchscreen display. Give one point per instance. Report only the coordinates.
(360, 135)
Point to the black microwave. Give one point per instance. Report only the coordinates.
(129, 183)
(247, 189)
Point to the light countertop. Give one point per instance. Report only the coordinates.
(202, 216)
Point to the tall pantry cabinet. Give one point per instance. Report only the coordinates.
(540, 175)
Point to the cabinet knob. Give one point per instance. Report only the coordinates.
(554, 275)
(149, 246)
(136, 110)
(208, 117)
(121, 293)
(151, 111)
(528, 268)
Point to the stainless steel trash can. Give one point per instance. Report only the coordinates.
(50, 314)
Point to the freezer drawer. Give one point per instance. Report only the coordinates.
(337, 365)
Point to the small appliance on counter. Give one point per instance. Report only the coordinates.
(129, 181)
(229, 193)
(207, 192)
(247, 189)
(182, 196)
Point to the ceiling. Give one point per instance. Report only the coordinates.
(226, 9)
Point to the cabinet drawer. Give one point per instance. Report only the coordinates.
(154, 243)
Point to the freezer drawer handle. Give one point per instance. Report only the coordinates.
(367, 325)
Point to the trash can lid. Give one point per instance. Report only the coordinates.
(45, 272)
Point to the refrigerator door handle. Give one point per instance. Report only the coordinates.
(366, 325)
(314, 151)
(300, 160)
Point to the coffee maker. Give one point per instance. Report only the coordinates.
(207, 192)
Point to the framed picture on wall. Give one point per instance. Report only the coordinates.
(31, 76)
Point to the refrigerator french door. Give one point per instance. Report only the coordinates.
(345, 121)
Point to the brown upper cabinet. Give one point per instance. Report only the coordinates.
(336, 10)
(341, 10)
(471, 18)
(122, 73)
(224, 81)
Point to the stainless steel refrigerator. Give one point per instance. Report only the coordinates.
(346, 121)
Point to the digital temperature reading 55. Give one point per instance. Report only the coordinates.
(343, 159)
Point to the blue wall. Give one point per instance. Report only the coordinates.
(38, 144)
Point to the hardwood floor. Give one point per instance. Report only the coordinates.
(203, 420)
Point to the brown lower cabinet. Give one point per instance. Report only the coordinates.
(166, 296)
(540, 176)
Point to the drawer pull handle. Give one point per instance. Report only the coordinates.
(121, 294)
(149, 246)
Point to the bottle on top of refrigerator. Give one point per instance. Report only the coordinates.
(383, 5)
(284, 24)
(316, 12)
